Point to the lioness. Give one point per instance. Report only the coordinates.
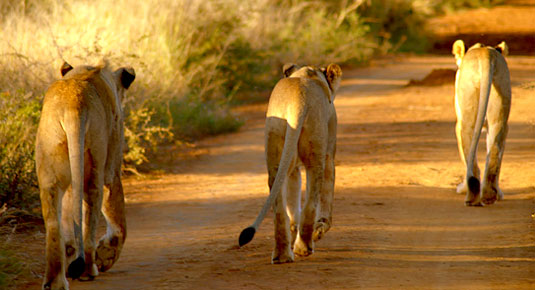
(79, 150)
(300, 130)
(482, 90)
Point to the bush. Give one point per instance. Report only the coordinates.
(195, 119)
(18, 119)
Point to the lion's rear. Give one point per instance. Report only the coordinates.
(80, 131)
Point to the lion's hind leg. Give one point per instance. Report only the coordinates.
(92, 204)
(282, 253)
(113, 207)
(282, 207)
(55, 273)
(464, 134)
(54, 179)
(324, 220)
(313, 159)
(293, 201)
(466, 108)
(473, 192)
(67, 222)
(491, 191)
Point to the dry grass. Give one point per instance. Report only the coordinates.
(202, 51)
(192, 59)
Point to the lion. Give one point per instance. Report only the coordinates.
(482, 95)
(79, 151)
(300, 131)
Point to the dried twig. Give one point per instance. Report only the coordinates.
(345, 11)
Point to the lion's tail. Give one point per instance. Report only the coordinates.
(486, 71)
(74, 126)
(290, 145)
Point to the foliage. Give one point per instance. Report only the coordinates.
(18, 119)
(141, 135)
(195, 119)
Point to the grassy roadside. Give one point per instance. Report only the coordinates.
(193, 59)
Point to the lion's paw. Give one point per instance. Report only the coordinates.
(461, 188)
(282, 257)
(89, 276)
(472, 200)
(303, 249)
(322, 226)
(491, 195)
(60, 284)
(107, 253)
(500, 194)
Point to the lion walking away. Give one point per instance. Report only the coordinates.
(482, 97)
(300, 131)
(79, 151)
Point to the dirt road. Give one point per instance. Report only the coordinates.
(398, 223)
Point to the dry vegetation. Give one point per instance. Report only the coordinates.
(192, 58)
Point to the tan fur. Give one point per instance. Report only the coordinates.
(301, 131)
(482, 94)
(79, 150)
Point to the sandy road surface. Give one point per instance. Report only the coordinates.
(398, 223)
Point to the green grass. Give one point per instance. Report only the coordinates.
(10, 268)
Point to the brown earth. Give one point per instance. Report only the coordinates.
(513, 23)
(398, 223)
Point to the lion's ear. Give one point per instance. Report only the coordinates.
(288, 69)
(333, 73)
(502, 48)
(477, 45)
(127, 76)
(65, 68)
(458, 50)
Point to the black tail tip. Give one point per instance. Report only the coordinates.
(246, 236)
(473, 185)
(76, 268)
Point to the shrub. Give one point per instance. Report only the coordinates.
(18, 119)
